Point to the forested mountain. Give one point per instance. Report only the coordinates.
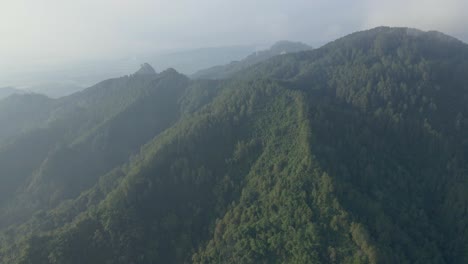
(83, 136)
(226, 71)
(356, 152)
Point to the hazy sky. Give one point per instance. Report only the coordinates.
(40, 33)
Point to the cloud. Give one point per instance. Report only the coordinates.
(57, 32)
(448, 16)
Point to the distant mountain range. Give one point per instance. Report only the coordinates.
(190, 61)
(55, 89)
(225, 71)
(7, 91)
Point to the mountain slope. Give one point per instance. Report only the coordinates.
(21, 113)
(86, 139)
(352, 153)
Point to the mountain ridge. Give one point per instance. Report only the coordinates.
(226, 71)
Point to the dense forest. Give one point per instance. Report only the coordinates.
(355, 152)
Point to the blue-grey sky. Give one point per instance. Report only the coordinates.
(51, 33)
